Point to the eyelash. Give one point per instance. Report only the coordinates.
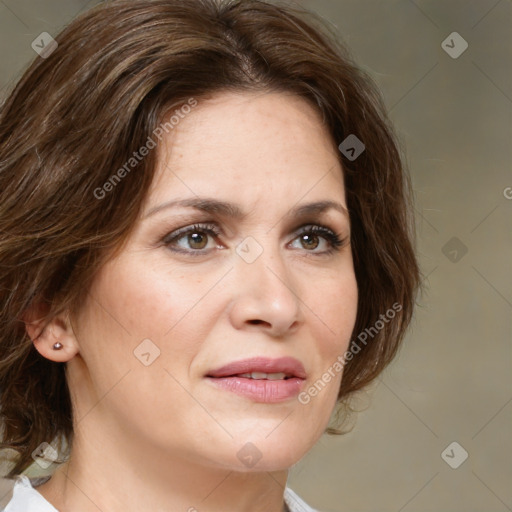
(335, 242)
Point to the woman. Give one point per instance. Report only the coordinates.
(206, 248)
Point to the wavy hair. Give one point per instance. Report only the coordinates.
(78, 114)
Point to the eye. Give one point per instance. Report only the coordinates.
(310, 238)
(192, 239)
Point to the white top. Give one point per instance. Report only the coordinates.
(26, 499)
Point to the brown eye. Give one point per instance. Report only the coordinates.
(310, 241)
(311, 238)
(192, 240)
(197, 240)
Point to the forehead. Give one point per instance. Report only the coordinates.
(248, 146)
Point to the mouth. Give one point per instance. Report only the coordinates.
(262, 368)
(261, 379)
(264, 376)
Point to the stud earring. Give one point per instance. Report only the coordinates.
(57, 346)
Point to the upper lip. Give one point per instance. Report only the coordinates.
(288, 365)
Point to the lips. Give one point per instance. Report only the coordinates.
(261, 379)
(290, 366)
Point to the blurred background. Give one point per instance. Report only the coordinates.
(435, 434)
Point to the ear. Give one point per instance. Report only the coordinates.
(44, 337)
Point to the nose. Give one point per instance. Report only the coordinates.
(265, 296)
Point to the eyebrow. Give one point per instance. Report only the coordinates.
(231, 210)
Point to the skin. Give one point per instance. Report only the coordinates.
(161, 437)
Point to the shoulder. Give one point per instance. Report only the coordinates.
(18, 495)
(295, 503)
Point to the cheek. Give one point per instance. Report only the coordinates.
(129, 304)
(134, 301)
(337, 307)
(146, 301)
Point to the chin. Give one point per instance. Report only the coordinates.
(277, 452)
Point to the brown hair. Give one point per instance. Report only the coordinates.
(80, 113)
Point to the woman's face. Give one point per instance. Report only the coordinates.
(173, 308)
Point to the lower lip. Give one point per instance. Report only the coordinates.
(264, 391)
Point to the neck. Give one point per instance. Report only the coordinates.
(102, 477)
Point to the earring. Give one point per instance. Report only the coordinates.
(57, 346)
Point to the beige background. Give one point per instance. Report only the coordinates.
(452, 380)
